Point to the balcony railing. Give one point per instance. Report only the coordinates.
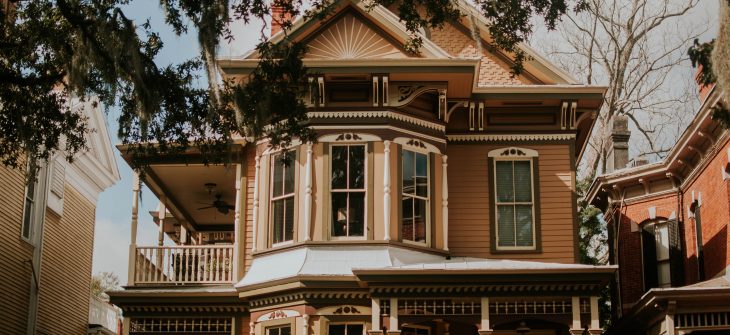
(165, 265)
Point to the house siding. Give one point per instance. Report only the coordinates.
(16, 275)
(469, 203)
(63, 306)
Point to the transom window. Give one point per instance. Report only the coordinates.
(415, 196)
(514, 198)
(346, 329)
(279, 330)
(348, 190)
(282, 199)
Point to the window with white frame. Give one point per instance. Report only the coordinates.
(415, 196)
(657, 260)
(348, 190)
(29, 210)
(346, 329)
(282, 198)
(279, 330)
(514, 198)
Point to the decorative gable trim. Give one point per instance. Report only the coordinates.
(379, 114)
(511, 137)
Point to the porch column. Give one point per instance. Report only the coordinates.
(183, 233)
(445, 202)
(255, 202)
(393, 317)
(386, 190)
(239, 226)
(375, 314)
(576, 328)
(308, 193)
(669, 317)
(485, 328)
(161, 213)
(133, 239)
(595, 319)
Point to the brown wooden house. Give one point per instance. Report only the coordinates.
(439, 198)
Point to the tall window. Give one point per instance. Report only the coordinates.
(514, 202)
(29, 210)
(282, 199)
(346, 329)
(279, 330)
(415, 195)
(657, 260)
(348, 190)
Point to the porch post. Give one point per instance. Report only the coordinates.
(576, 328)
(669, 317)
(445, 202)
(308, 193)
(239, 227)
(393, 317)
(386, 190)
(375, 317)
(133, 239)
(595, 323)
(183, 233)
(161, 213)
(255, 202)
(485, 327)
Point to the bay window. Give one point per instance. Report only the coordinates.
(282, 199)
(415, 196)
(348, 191)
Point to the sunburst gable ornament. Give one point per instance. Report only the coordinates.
(350, 38)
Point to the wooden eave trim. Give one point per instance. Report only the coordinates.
(390, 273)
(290, 283)
(232, 66)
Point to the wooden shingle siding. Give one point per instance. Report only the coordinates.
(469, 203)
(15, 275)
(63, 306)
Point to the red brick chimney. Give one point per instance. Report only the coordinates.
(703, 89)
(279, 17)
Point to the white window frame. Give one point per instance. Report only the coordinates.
(37, 208)
(527, 155)
(364, 190)
(273, 158)
(665, 225)
(427, 198)
(364, 329)
(287, 325)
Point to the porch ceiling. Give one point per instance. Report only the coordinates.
(184, 186)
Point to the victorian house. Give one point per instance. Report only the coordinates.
(668, 225)
(439, 198)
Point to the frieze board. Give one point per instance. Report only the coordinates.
(378, 114)
(510, 137)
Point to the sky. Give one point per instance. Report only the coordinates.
(113, 213)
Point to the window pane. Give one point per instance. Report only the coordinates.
(407, 220)
(354, 329)
(289, 216)
(278, 176)
(524, 225)
(337, 330)
(339, 214)
(662, 241)
(339, 167)
(285, 331)
(357, 214)
(664, 274)
(419, 220)
(27, 214)
(523, 181)
(278, 219)
(357, 167)
(289, 177)
(505, 226)
(503, 180)
(421, 175)
(407, 166)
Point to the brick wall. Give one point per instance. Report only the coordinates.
(629, 249)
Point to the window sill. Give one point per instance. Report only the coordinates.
(293, 245)
(536, 250)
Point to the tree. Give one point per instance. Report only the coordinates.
(104, 282)
(631, 46)
(54, 53)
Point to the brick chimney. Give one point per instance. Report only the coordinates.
(279, 17)
(618, 152)
(704, 90)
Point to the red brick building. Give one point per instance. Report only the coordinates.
(667, 225)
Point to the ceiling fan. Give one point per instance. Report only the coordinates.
(220, 205)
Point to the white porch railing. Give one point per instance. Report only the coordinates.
(104, 314)
(208, 264)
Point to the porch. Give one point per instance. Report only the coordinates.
(201, 211)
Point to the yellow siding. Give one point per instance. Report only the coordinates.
(63, 306)
(469, 207)
(15, 276)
